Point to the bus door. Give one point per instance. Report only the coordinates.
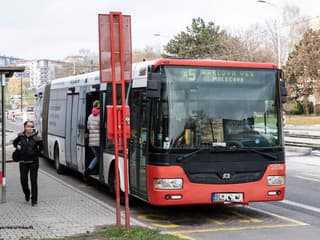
(90, 98)
(71, 128)
(138, 143)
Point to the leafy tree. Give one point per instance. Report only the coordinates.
(14, 85)
(201, 40)
(303, 68)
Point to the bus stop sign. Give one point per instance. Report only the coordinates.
(106, 39)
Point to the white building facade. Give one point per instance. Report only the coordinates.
(40, 71)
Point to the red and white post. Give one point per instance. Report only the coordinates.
(115, 58)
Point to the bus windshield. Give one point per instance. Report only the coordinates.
(205, 107)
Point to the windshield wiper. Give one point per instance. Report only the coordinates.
(188, 155)
(261, 153)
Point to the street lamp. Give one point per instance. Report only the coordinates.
(161, 38)
(278, 28)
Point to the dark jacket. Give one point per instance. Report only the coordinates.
(30, 147)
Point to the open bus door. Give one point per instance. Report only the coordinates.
(94, 94)
(138, 143)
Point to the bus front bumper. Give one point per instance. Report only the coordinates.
(195, 193)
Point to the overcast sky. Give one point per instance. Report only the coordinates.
(54, 29)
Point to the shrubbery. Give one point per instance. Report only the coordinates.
(297, 108)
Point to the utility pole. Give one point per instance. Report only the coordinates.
(21, 92)
(3, 188)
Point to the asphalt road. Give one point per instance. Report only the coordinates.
(298, 217)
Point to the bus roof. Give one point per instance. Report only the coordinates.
(139, 71)
(213, 63)
(76, 80)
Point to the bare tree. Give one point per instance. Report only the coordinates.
(292, 27)
(82, 62)
(147, 53)
(257, 45)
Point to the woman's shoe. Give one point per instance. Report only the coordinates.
(34, 203)
(27, 197)
(87, 172)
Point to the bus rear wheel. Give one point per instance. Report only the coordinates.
(57, 165)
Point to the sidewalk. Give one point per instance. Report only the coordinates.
(61, 211)
(303, 129)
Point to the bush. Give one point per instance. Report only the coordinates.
(293, 107)
(297, 108)
(310, 107)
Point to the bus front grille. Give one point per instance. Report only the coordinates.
(225, 177)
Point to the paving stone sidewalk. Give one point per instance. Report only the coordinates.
(61, 211)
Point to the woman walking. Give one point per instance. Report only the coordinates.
(30, 146)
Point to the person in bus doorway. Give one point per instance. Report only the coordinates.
(30, 144)
(93, 126)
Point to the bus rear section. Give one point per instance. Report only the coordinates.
(210, 132)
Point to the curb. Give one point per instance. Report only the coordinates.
(304, 150)
(316, 153)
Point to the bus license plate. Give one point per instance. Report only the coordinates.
(227, 197)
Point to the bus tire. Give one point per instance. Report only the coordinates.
(57, 165)
(112, 184)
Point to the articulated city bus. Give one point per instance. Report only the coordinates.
(202, 131)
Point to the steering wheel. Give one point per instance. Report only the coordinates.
(236, 143)
(250, 132)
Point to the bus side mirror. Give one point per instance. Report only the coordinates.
(283, 92)
(153, 85)
(144, 148)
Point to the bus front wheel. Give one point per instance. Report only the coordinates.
(58, 166)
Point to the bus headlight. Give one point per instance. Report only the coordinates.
(168, 183)
(276, 180)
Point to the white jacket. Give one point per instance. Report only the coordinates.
(94, 130)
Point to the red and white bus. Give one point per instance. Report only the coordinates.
(202, 131)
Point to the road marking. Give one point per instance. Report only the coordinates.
(293, 223)
(308, 178)
(157, 220)
(226, 229)
(210, 219)
(246, 218)
(312, 175)
(299, 223)
(301, 205)
(181, 235)
(84, 186)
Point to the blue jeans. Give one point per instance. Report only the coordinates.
(96, 152)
